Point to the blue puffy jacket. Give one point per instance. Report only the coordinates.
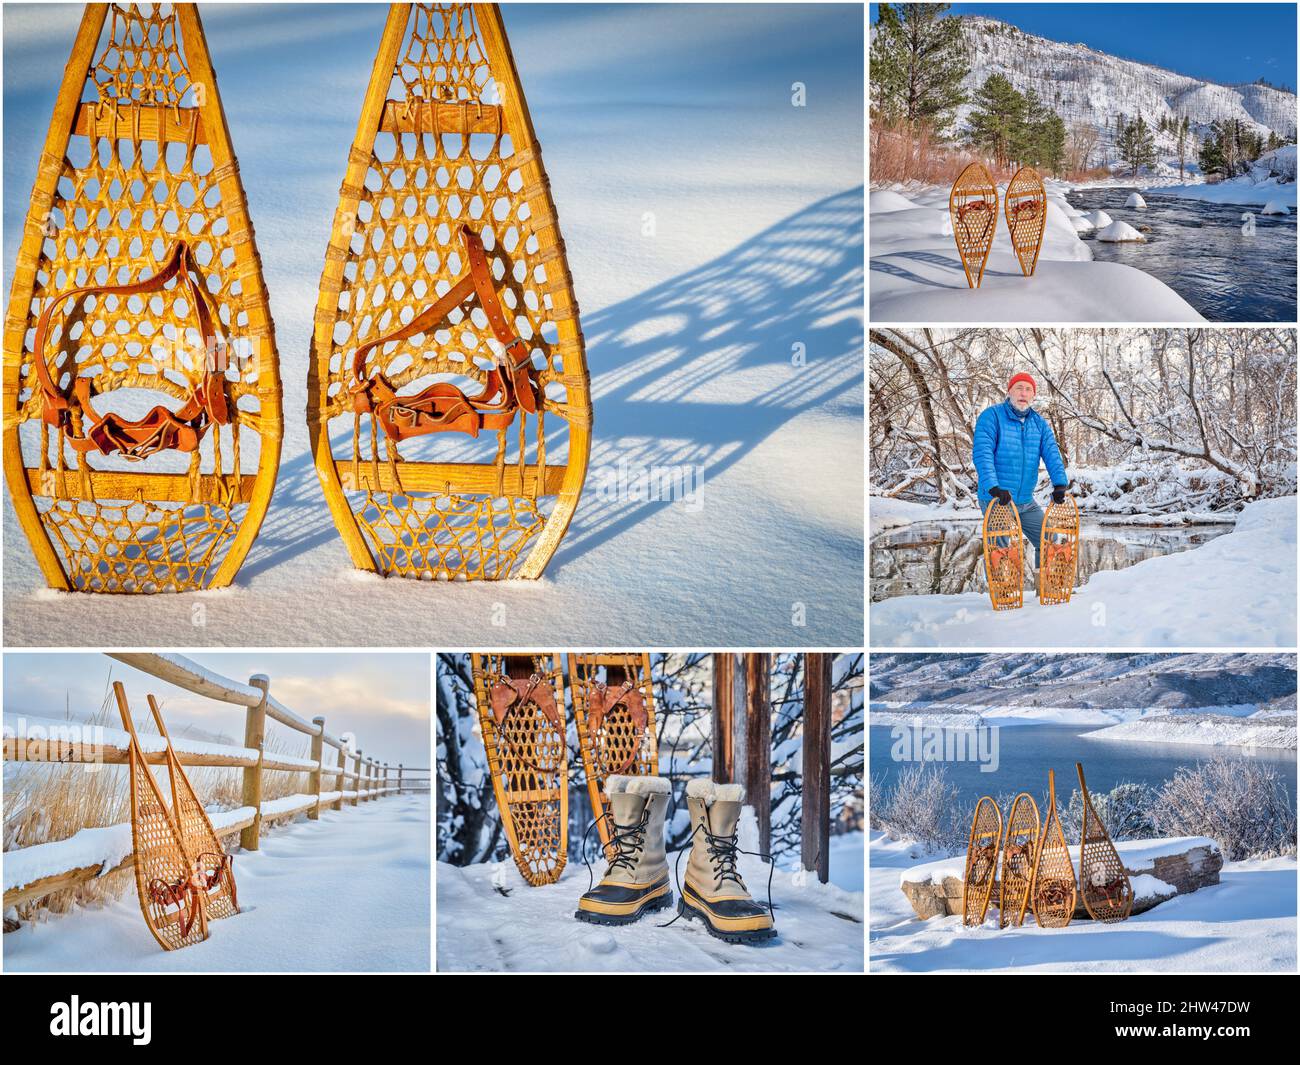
(1007, 448)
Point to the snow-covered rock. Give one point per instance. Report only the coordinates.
(1135, 200)
(1118, 233)
(1100, 219)
(1275, 207)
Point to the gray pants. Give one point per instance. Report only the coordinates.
(1031, 523)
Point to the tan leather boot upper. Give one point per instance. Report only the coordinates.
(711, 869)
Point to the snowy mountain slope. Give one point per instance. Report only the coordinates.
(1100, 681)
(1083, 85)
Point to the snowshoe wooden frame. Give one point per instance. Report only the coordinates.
(981, 862)
(197, 834)
(973, 208)
(455, 145)
(1058, 552)
(1103, 880)
(144, 160)
(1055, 891)
(527, 755)
(1019, 854)
(166, 875)
(1004, 559)
(1025, 207)
(618, 743)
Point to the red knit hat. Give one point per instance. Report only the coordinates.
(1023, 377)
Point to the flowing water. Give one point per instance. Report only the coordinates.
(946, 558)
(1198, 250)
(1026, 752)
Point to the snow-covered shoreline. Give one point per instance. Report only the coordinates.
(1238, 590)
(1208, 729)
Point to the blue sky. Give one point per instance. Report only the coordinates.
(1227, 43)
(383, 698)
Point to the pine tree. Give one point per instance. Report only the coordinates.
(918, 62)
(1136, 144)
(996, 124)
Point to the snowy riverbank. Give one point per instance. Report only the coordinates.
(1238, 590)
(916, 273)
(1246, 923)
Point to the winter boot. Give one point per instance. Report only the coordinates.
(713, 890)
(636, 881)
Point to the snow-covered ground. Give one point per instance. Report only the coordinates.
(347, 893)
(917, 275)
(1238, 590)
(489, 919)
(1246, 923)
(721, 289)
(1216, 729)
(1271, 179)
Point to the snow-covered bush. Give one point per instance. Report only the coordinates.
(1125, 810)
(922, 806)
(1241, 805)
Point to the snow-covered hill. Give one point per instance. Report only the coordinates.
(1083, 85)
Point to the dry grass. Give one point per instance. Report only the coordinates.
(44, 802)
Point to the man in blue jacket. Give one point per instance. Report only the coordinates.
(1010, 439)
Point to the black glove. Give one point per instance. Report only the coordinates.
(1001, 495)
(1058, 493)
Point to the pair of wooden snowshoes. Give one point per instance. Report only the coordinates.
(1058, 554)
(1036, 865)
(521, 710)
(183, 876)
(138, 286)
(973, 209)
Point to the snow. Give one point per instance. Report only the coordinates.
(693, 331)
(347, 893)
(1135, 200)
(1246, 923)
(1215, 731)
(1117, 232)
(1238, 590)
(490, 919)
(892, 513)
(917, 275)
(1276, 207)
(1100, 219)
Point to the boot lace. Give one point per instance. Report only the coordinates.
(628, 842)
(722, 855)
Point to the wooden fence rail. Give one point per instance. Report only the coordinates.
(365, 780)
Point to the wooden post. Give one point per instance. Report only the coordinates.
(255, 737)
(317, 750)
(724, 718)
(342, 778)
(756, 768)
(356, 784)
(816, 822)
(399, 778)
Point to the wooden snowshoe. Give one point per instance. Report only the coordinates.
(216, 867)
(613, 702)
(973, 207)
(981, 861)
(446, 321)
(1054, 891)
(1003, 557)
(521, 712)
(169, 880)
(1025, 206)
(1058, 552)
(1019, 851)
(1107, 891)
(138, 275)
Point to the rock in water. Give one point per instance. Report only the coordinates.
(1118, 232)
(1134, 200)
(1276, 207)
(1100, 219)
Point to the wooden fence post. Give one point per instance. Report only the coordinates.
(724, 718)
(255, 737)
(356, 784)
(317, 752)
(342, 779)
(756, 769)
(816, 820)
(399, 778)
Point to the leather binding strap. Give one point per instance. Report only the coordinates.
(442, 407)
(161, 429)
(603, 701)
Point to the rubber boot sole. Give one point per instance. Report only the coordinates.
(757, 935)
(653, 906)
